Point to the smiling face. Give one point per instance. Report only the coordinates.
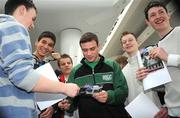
(90, 50)
(158, 18)
(129, 44)
(44, 47)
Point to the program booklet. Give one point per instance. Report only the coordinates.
(158, 73)
(149, 63)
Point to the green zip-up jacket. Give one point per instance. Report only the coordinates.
(108, 74)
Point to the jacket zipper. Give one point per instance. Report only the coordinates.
(93, 76)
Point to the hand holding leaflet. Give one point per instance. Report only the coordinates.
(158, 73)
(45, 100)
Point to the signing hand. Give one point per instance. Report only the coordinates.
(71, 89)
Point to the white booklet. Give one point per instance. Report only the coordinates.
(45, 100)
(142, 107)
(158, 74)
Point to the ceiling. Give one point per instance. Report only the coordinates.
(102, 17)
(96, 16)
(133, 20)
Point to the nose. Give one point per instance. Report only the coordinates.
(46, 46)
(88, 52)
(127, 42)
(67, 64)
(158, 15)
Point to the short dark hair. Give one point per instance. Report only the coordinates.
(153, 4)
(87, 37)
(126, 33)
(11, 5)
(64, 56)
(47, 34)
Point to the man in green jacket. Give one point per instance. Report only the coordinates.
(95, 70)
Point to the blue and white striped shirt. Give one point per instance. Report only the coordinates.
(17, 76)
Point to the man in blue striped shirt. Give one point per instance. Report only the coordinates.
(18, 80)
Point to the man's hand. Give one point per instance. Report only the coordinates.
(101, 96)
(64, 104)
(48, 113)
(159, 53)
(56, 55)
(163, 113)
(71, 89)
(141, 73)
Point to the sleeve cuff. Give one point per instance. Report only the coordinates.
(173, 60)
(30, 80)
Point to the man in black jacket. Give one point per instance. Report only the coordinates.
(95, 70)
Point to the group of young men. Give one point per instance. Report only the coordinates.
(19, 81)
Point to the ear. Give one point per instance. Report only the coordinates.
(36, 43)
(147, 22)
(169, 15)
(99, 47)
(123, 48)
(22, 10)
(121, 45)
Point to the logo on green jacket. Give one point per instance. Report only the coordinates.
(107, 77)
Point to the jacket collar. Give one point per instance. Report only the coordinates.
(100, 61)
